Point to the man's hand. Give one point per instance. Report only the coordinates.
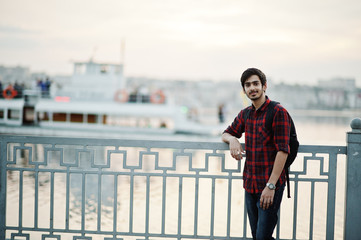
(266, 199)
(234, 146)
(236, 149)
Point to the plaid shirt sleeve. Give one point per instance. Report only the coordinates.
(282, 128)
(236, 128)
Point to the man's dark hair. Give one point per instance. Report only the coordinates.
(253, 71)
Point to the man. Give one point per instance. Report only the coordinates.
(266, 153)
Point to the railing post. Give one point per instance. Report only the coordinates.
(353, 182)
(2, 188)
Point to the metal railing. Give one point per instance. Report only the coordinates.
(68, 188)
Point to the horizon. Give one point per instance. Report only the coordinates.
(269, 78)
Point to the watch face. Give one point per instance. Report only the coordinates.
(271, 186)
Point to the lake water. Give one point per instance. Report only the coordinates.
(311, 131)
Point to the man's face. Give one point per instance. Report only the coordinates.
(253, 88)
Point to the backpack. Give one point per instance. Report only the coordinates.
(294, 144)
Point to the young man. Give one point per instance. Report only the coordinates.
(266, 153)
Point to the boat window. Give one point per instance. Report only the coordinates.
(92, 118)
(76, 117)
(14, 114)
(59, 117)
(1, 113)
(28, 114)
(43, 116)
(104, 69)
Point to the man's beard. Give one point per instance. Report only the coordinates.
(254, 97)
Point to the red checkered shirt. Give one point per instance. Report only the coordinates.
(261, 145)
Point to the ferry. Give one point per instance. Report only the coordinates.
(97, 100)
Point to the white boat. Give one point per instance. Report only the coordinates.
(97, 100)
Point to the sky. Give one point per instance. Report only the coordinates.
(291, 41)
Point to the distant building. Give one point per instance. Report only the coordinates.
(348, 84)
(14, 74)
(337, 93)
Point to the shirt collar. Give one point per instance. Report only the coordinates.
(264, 105)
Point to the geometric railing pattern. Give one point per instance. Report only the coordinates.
(74, 188)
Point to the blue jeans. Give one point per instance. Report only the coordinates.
(263, 222)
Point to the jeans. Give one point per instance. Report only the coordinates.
(263, 222)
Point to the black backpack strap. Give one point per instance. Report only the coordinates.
(288, 183)
(270, 115)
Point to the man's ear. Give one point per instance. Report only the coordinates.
(265, 87)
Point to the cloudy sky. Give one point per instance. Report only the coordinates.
(291, 41)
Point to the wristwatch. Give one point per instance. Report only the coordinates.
(271, 186)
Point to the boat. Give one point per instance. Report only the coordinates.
(98, 100)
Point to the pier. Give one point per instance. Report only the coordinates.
(91, 188)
